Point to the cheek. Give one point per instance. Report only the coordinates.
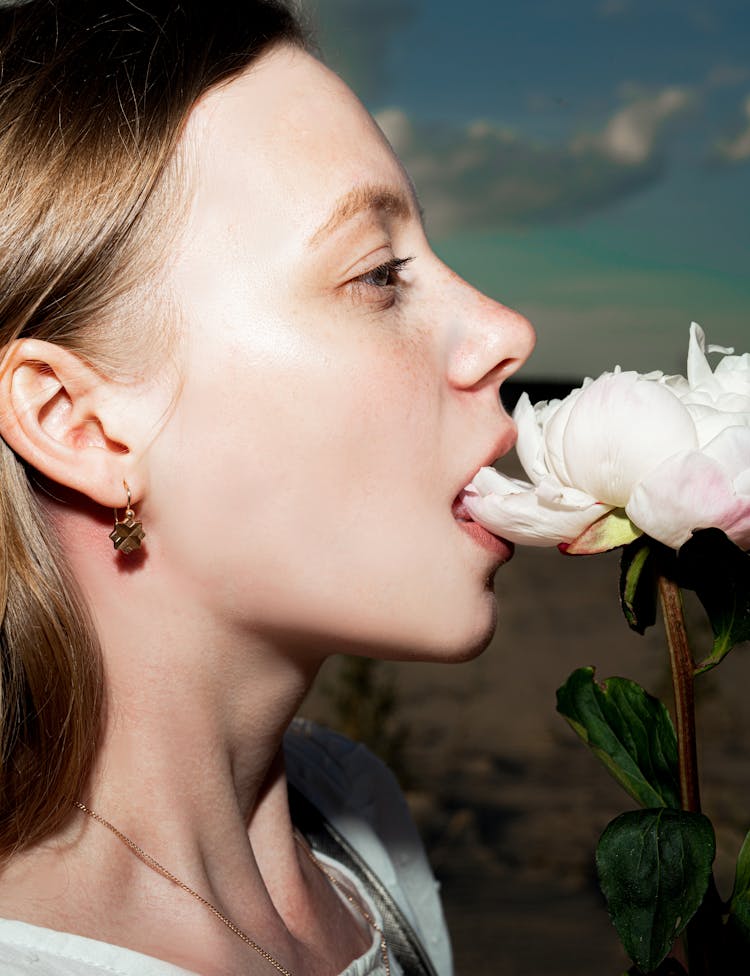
(308, 499)
(343, 440)
(316, 452)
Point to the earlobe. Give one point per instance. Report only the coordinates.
(55, 412)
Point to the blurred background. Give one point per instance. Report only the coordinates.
(589, 164)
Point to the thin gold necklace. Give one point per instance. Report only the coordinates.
(152, 863)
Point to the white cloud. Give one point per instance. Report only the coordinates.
(485, 176)
(631, 134)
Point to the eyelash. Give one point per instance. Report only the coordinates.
(391, 270)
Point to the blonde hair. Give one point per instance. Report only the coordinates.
(94, 95)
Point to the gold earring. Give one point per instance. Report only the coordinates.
(128, 534)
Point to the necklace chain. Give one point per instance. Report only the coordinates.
(152, 863)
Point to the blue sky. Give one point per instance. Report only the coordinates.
(586, 161)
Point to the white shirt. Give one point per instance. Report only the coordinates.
(362, 800)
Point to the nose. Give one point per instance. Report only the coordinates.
(487, 340)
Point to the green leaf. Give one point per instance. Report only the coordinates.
(638, 591)
(610, 531)
(739, 906)
(719, 572)
(629, 730)
(654, 867)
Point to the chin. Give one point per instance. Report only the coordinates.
(470, 647)
(464, 639)
(447, 632)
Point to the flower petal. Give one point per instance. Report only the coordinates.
(733, 374)
(490, 481)
(699, 373)
(530, 445)
(620, 428)
(731, 449)
(551, 492)
(690, 491)
(711, 421)
(518, 514)
(554, 435)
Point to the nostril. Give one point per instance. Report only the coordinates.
(497, 375)
(507, 367)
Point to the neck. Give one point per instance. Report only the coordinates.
(191, 769)
(194, 727)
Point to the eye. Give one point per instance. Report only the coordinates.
(386, 275)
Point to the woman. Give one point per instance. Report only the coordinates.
(222, 327)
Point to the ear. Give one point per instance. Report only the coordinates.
(68, 421)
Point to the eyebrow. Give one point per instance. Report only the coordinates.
(361, 198)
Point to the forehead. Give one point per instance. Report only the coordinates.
(281, 144)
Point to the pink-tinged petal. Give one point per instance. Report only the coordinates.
(689, 491)
(620, 428)
(518, 514)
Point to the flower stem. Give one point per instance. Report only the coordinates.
(702, 936)
(683, 669)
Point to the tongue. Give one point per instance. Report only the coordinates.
(460, 511)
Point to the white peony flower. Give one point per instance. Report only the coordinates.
(663, 454)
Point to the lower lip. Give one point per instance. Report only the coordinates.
(498, 547)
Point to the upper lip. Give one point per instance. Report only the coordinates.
(502, 445)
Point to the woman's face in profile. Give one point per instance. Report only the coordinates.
(339, 383)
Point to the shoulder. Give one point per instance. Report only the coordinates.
(360, 796)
